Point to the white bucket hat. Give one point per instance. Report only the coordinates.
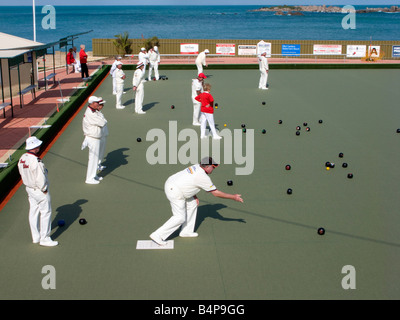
(32, 143)
(99, 100)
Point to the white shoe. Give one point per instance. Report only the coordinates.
(124, 92)
(189, 235)
(217, 138)
(101, 168)
(203, 137)
(157, 239)
(114, 93)
(120, 107)
(35, 241)
(264, 88)
(196, 124)
(48, 242)
(98, 178)
(92, 181)
(141, 112)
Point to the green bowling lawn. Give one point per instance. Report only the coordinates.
(266, 248)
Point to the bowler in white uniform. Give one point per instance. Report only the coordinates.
(113, 68)
(95, 129)
(154, 61)
(34, 177)
(138, 88)
(263, 64)
(201, 61)
(197, 88)
(181, 189)
(119, 77)
(143, 58)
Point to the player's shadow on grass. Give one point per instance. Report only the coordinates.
(69, 213)
(211, 211)
(148, 106)
(208, 211)
(114, 160)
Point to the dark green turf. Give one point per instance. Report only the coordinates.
(265, 248)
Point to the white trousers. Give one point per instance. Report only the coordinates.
(39, 214)
(204, 118)
(94, 146)
(199, 68)
(114, 85)
(184, 212)
(119, 90)
(263, 79)
(102, 150)
(155, 67)
(139, 96)
(77, 66)
(196, 111)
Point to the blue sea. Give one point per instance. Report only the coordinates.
(194, 22)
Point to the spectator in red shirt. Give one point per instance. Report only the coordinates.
(83, 58)
(71, 59)
(207, 112)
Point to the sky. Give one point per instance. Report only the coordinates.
(197, 2)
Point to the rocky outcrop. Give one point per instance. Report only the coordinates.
(283, 10)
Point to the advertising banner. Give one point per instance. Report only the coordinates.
(189, 48)
(396, 52)
(247, 50)
(225, 49)
(263, 46)
(374, 51)
(356, 51)
(327, 49)
(290, 50)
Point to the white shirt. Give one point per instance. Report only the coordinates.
(196, 86)
(143, 57)
(191, 180)
(137, 77)
(113, 68)
(94, 124)
(201, 58)
(118, 75)
(263, 62)
(33, 172)
(154, 57)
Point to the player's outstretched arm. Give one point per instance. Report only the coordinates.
(220, 194)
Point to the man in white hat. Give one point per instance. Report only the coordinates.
(197, 88)
(154, 60)
(113, 68)
(143, 58)
(34, 177)
(138, 88)
(201, 61)
(263, 64)
(119, 77)
(181, 189)
(95, 129)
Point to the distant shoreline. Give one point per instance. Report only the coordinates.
(322, 8)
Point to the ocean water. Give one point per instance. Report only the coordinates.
(194, 22)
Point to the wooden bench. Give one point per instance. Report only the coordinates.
(26, 90)
(3, 107)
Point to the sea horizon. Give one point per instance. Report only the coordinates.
(180, 22)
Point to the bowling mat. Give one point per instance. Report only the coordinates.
(150, 244)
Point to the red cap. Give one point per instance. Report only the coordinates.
(202, 75)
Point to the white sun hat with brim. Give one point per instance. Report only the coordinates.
(99, 100)
(32, 143)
